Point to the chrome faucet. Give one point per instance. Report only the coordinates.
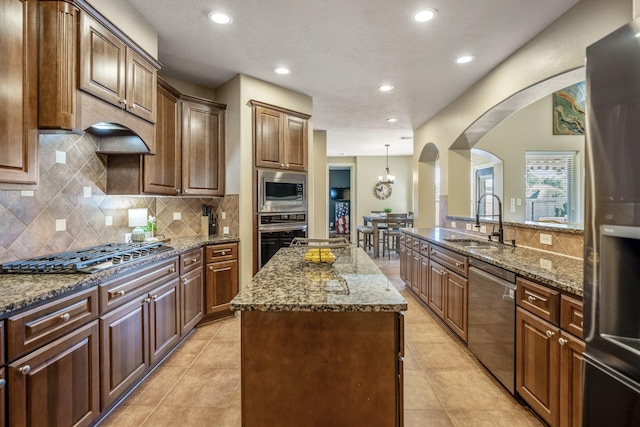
(500, 232)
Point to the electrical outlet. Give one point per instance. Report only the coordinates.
(545, 239)
(513, 208)
(127, 237)
(519, 202)
(223, 215)
(483, 228)
(177, 216)
(108, 221)
(225, 230)
(468, 227)
(61, 157)
(453, 224)
(452, 236)
(61, 224)
(86, 192)
(26, 193)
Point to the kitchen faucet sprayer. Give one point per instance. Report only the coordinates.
(500, 232)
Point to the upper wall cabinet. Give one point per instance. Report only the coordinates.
(19, 96)
(280, 137)
(112, 71)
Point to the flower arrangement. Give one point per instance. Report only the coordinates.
(151, 225)
(387, 210)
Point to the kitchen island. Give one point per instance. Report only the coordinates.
(321, 344)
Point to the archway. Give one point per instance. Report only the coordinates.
(430, 205)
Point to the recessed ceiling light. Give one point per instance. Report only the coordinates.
(281, 70)
(220, 17)
(465, 59)
(385, 88)
(425, 15)
(392, 119)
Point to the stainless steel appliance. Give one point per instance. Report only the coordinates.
(612, 231)
(281, 191)
(492, 311)
(277, 231)
(88, 260)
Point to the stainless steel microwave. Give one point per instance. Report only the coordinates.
(282, 191)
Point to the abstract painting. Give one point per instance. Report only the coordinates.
(568, 110)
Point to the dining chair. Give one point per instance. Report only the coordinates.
(367, 234)
(392, 233)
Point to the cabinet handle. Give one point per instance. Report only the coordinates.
(443, 272)
(154, 297)
(222, 269)
(146, 300)
(184, 281)
(2, 382)
(177, 191)
(550, 334)
(24, 370)
(172, 270)
(64, 317)
(132, 106)
(194, 260)
(532, 298)
(211, 268)
(119, 293)
(562, 341)
(287, 166)
(281, 165)
(434, 253)
(458, 264)
(123, 102)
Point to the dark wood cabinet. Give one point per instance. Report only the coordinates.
(437, 288)
(221, 277)
(191, 289)
(162, 173)
(424, 279)
(203, 147)
(280, 137)
(58, 55)
(164, 320)
(19, 98)
(3, 398)
(456, 297)
(124, 348)
(57, 384)
(415, 272)
(571, 372)
(115, 73)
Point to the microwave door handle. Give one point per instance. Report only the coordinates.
(272, 229)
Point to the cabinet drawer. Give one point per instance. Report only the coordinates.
(407, 240)
(538, 299)
(415, 244)
(222, 252)
(41, 325)
(424, 248)
(190, 260)
(571, 315)
(123, 289)
(453, 261)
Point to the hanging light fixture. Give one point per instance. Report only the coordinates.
(387, 179)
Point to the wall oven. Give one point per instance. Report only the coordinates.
(277, 231)
(281, 191)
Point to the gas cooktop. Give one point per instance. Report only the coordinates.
(88, 260)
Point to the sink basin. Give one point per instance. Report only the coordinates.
(470, 244)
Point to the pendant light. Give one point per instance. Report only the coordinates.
(387, 179)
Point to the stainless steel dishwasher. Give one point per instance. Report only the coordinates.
(492, 311)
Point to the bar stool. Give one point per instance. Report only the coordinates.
(367, 233)
(394, 223)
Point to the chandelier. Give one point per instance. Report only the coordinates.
(387, 178)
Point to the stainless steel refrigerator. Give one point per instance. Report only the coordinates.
(612, 231)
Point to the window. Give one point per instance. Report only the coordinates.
(484, 185)
(551, 185)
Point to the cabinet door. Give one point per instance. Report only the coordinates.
(424, 279)
(57, 384)
(436, 288)
(124, 348)
(408, 278)
(268, 132)
(415, 272)
(294, 143)
(455, 313)
(191, 291)
(3, 397)
(102, 62)
(141, 82)
(221, 285)
(403, 263)
(571, 350)
(162, 172)
(57, 55)
(537, 365)
(19, 94)
(202, 148)
(164, 320)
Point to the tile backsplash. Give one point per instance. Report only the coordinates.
(70, 210)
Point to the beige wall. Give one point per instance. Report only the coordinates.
(528, 129)
(127, 19)
(557, 49)
(189, 88)
(236, 93)
(320, 186)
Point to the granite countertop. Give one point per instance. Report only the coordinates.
(558, 271)
(20, 291)
(288, 283)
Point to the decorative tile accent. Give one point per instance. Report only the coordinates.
(28, 224)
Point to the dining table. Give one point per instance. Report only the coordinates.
(376, 221)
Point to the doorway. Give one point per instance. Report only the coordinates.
(340, 198)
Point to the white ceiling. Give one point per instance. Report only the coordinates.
(340, 51)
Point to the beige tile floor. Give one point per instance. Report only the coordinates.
(199, 384)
